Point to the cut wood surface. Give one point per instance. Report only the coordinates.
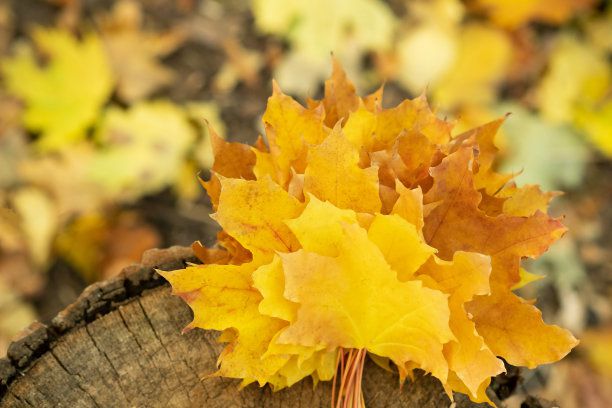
(120, 345)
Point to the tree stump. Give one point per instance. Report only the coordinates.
(120, 345)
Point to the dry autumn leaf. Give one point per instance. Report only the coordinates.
(13, 150)
(64, 176)
(38, 221)
(64, 97)
(142, 149)
(99, 247)
(19, 272)
(363, 230)
(133, 53)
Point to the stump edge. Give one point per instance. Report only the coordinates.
(98, 299)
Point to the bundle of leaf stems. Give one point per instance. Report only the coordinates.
(350, 393)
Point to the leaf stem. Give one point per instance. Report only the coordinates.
(350, 392)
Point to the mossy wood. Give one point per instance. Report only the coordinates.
(120, 345)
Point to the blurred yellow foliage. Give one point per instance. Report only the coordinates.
(64, 177)
(316, 28)
(142, 148)
(597, 125)
(369, 23)
(576, 88)
(99, 245)
(39, 221)
(63, 98)
(578, 75)
(598, 346)
(477, 70)
(514, 13)
(133, 53)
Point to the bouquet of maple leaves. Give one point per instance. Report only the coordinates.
(361, 230)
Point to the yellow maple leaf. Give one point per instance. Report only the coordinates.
(374, 129)
(206, 288)
(458, 224)
(260, 227)
(290, 127)
(395, 237)
(363, 230)
(333, 174)
(409, 205)
(64, 97)
(318, 228)
(469, 358)
(513, 339)
(340, 97)
(336, 293)
(525, 201)
(233, 160)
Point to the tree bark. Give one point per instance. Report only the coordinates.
(120, 345)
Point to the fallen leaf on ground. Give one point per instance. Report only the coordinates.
(134, 53)
(38, 221)
(142, 149)
(64, 97)
(242, 65)
(13, 151)
(99, 246)
(17, 271)
(64, 176)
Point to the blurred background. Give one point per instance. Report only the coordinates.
(102, 132)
